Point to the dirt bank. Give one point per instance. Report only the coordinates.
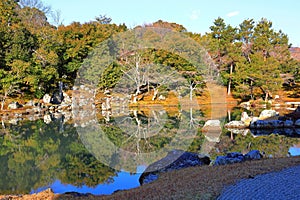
(204, 182)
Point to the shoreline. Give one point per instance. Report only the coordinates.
(204, 182)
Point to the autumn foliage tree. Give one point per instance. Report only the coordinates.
(35, 54)
(250, 57)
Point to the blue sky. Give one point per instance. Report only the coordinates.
(195, 15)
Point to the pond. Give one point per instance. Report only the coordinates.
(109, 151)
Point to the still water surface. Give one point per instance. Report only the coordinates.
(35, 156)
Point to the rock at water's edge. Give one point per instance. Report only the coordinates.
(14, 105)
(265, 114)
(236, 157)
(236, 124)
(176, 159)
(46, 98)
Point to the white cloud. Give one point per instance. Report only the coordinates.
(195, 15)
(234, 13)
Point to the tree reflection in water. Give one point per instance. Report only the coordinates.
(34, 154)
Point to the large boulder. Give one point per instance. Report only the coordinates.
(253, 155)
(236, 157)
(175, 160)
(266, 114)
(229, 159)
(212, 123)
(212, 130)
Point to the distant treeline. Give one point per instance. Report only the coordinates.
(35, 54)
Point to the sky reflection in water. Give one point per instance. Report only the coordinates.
(131, 180)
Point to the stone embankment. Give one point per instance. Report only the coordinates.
(268, 119)
(52, 106)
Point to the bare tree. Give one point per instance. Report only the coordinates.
(35, 4)
(140, 127)
(56, 18)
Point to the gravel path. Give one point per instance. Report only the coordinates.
(283, 185)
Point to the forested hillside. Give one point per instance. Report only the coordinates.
(35, 55)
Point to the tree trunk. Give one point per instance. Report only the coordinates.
(229, 87)
(251, 90)
(134, 99)
(229, 115)
(191, 92)
(2, 104)
(3, 100)
(3, 125)
(230, 80)
(267, 96)
(155, 94)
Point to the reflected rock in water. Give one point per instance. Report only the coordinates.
(297, 123)
(236, 125)
(176, 159)
(290, 132)
(212, 130)
(238, 131)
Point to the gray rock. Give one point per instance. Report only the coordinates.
(254, 119)
(236, 124)
(245, 105)
(297, 123)
(14, 121)
(66, 99)
(265, 114)
(212, 123)
(30, 103)
(288, 123)
(46, 98)
(236, 157)
(47, 119)
(56, 98)
(14, 105)
(161, 98)
(253, 155)
(229, 159)
(149, 178)
(277, 124)
(212, 130)
(245, 117)
(257, 124)
(176, 159)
